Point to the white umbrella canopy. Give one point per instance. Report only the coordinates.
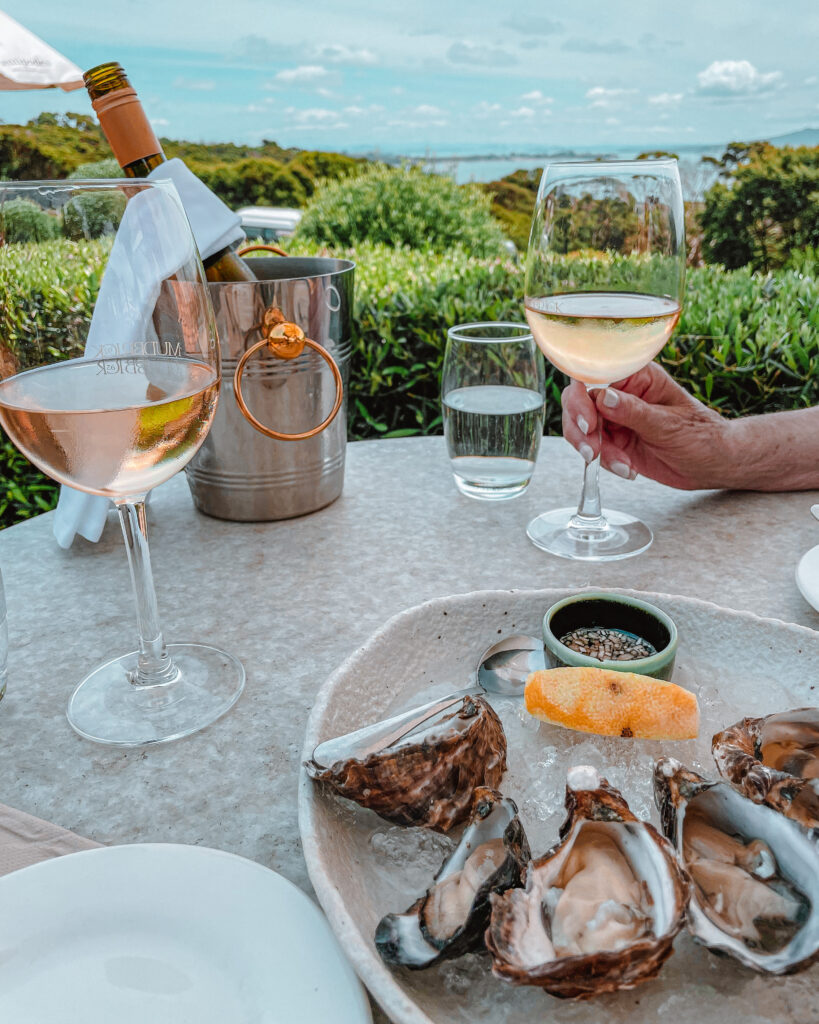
(26, 62)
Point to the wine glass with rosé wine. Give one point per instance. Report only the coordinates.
(605, 274)
(115, 405)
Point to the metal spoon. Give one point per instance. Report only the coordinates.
(502, 669)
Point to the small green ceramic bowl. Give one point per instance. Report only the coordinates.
(612, 611)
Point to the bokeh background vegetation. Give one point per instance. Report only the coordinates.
(430, 254)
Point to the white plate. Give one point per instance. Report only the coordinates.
(161, 934)
(362, 867)
(807, 577)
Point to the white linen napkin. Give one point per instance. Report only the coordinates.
(159, 247)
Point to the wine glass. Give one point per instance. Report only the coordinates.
(114, 405)
(605, 273)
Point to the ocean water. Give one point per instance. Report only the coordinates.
(475, 162)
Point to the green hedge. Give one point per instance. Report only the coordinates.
(747, 343)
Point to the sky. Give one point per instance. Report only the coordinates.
(409, 76)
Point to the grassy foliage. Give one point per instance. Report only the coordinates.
(747, 343)
(401, 207)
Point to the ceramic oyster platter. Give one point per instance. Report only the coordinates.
(570, 876)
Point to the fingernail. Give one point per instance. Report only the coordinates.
(583, 424)
(623, 470)
(611, 398)
(587, 452)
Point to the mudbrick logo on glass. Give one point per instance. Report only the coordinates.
(128, 359)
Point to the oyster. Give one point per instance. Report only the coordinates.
(775, 760)
(450, 918)
(600, 910)
(756, 875)
(430, 775)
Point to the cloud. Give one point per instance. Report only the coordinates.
(484, 109)
(811, 80)
(533, 25)
(735, 78)
(312, 115)
(195, 85)
(612, 120)
(523, 113)
(255, 49)
(336, 53)
(476, 53)
(432, 115)
(536, 96)
(306, 73)
(160, 122)
(593, 46)
(602, 97)
(666, 99)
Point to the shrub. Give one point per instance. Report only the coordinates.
(403, 207)
(254, 182)
(92, 215)
(766, 207)
(24, 221)
(312, 167)
(107, 168)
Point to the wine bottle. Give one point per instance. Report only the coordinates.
(137, 149)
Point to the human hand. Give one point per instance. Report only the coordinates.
(651, 426)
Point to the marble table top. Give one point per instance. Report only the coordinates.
(292, 599)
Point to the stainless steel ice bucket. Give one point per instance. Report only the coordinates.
(240, 473)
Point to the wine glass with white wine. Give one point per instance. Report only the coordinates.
(605, 274)
(115, 404)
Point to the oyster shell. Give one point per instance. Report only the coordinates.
(755, 874)
(429, 777)
(450, 918)
(600, 910)
(775, 760)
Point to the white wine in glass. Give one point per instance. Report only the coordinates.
(605, 273)
(114, 407)
(113, 427)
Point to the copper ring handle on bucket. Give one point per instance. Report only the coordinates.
(268, 248)
(275, 434)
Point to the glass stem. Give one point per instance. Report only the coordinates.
(589, 515)
(154, 666)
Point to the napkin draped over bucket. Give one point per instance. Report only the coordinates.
(150, 246)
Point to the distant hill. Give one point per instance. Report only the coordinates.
(805, 137)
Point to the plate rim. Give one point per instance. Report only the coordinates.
(380, 983)
(56, 865)
(800, 585)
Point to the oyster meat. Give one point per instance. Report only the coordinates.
(430, 775)
(600, 910)
(450, 918)
(755, 874)
(775, 760)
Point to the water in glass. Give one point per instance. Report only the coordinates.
(493, 433)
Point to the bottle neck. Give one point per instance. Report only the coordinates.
(129, 132)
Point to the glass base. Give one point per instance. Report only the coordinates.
(486, 492)
(108, 708)
(619, 535)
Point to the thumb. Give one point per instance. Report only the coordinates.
(629, 411)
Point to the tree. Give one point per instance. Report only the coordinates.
(766, 206)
